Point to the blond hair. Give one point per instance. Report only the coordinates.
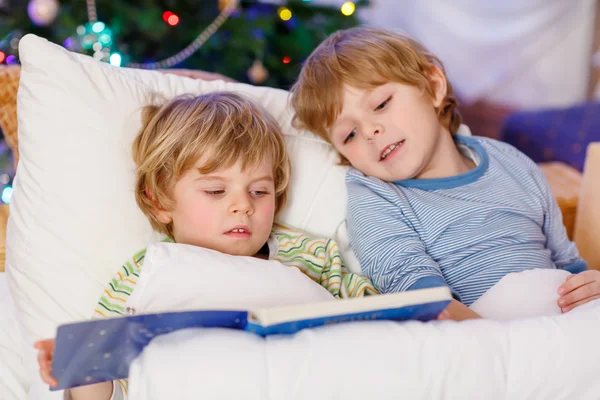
(363, 58)
(224, 127)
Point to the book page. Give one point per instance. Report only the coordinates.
(277, 315)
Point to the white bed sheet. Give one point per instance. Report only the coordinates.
(12, 372)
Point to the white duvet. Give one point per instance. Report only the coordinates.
(556, 356)
(542, 358)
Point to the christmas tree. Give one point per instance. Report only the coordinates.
(250, 41)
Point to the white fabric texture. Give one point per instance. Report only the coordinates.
(530, 293)
(530, 359)
(211, 280)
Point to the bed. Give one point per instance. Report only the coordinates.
(65, 239)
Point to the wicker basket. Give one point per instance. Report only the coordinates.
(9, 84)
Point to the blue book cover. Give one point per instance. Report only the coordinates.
(102, 350)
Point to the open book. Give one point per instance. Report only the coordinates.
(102, 350)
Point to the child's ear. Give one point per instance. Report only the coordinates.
(439, 87)
(163, 216)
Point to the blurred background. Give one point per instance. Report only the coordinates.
(525, 71)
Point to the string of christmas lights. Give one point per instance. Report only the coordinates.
(103, 35)
(95, 36)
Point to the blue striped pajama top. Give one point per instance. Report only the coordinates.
(466, 231)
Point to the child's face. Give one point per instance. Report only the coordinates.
(229, 210)
(390, 132)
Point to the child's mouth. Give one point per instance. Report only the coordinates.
(392, 148)
(239, 232)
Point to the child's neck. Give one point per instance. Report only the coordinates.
(446, 160)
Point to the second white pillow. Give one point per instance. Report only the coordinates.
(180, 277)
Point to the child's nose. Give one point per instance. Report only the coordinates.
(241, 205)
(374, 130)
(372, 133)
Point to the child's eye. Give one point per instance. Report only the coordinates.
(259, 193)
(350, 136)
(214, 192)
(382, 105)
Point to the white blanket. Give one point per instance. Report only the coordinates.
(551, 357)
(539, 358)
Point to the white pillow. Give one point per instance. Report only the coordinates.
(531, 293)
(73, 215)
(208, 279)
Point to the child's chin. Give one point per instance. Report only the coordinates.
(243, 250)
(390, 177)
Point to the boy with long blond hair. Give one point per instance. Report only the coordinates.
(213, 171)
(428, 207)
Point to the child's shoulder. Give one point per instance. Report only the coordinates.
(130, 270)
(136, 262)
(283, 232)
(121, 285)
(295, 241)
(496, 147)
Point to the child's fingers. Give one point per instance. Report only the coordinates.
(42, 357)
(48, 378)
(46, 373)
(46, 344)
(579, 294)
(577, 304)
(573, 282)
(443, 315)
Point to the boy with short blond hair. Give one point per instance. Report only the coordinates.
(428, 207)
(213, 171)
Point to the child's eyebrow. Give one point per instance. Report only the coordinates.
(341, 120)
(264, 178)
(221, 179)
(210, 178)
(376, 93)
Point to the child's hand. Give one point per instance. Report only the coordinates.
(45, 354)
(444, 315)
(457, 311)
(579, 289)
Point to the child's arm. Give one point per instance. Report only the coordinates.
(99, 391)
(320, 260)
(585, 285)
(457, 311)
(401, 262)
(563, 252)
(390, 252)
(111, 304)
(577, 289)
